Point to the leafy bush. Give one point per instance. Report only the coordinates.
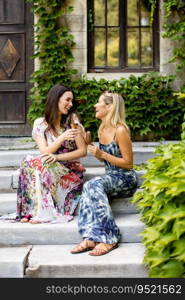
(183, 130)
(153, 111)
(162, 206)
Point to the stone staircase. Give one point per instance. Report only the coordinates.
(43, 250)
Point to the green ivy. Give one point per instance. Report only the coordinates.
(53, 44)
(162, 206)
(153, 7)
(153, 111)
(183, 130)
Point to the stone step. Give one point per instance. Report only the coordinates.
(56, 261)
(21, 143)
(9, 178)
(140, 156)
(13, 143)
(6, 179)
(12, 261)
(7, 203)
(64, 233)
(119, 205)
(13, 158)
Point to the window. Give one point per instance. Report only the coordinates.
(120, 36)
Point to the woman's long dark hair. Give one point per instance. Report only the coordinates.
(51, 108)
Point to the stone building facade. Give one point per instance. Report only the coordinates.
(92, 57)
(77, 22)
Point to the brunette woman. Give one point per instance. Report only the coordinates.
(49, 184)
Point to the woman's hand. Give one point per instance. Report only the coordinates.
(88, 138)
(85, 134)
(49, 158)
(95, 151)
(69, 134)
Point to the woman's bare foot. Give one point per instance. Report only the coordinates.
(103, 248)
(85, 245)
(34, 222)
(24, 220)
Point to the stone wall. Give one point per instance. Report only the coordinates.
(77, 22)
(166, 53)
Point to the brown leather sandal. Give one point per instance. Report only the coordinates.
(102, 249)
(24, 220)
(34, 222)
(83, 247)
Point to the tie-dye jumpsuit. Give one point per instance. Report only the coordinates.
(96, 221)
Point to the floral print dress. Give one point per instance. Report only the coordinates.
(49, 193)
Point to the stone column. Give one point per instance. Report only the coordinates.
(77, 22)
(166, 52)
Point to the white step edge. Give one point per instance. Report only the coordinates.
(12, 261)
(9, 178)
(8, 203)
(56, 261)
(63, 233)
(13, 158)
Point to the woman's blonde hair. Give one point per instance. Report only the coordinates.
(116, 116)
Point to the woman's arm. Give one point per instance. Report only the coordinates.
(49, 149)
(79, 152)
(125, 145)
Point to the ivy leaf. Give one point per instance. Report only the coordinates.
(170, 213)
(150, 235)
(179, 249)
(179, 227)
(170, 269)
(155, 258)
(165, 239)
(137, 196)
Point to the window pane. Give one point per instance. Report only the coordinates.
(99, 12)
(121, 36)
(132, 13)
(146, 47)
(100, 46)
(133, 47)
(113, 47)
(145, 12)
(112, 12)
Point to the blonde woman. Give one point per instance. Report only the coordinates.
(96, 223)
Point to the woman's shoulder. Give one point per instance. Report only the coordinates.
(122, 129)
(40, 122)
(122, 134)
(39, 127)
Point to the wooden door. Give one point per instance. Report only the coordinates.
(16, 66)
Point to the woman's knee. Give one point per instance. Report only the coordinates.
(92, 183)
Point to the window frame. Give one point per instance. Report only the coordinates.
(122, 68)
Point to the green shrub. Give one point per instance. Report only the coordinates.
(162, 207)
(153, 111)
(183, 130)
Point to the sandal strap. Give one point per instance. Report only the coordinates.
(102, 248)
(85, 244)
